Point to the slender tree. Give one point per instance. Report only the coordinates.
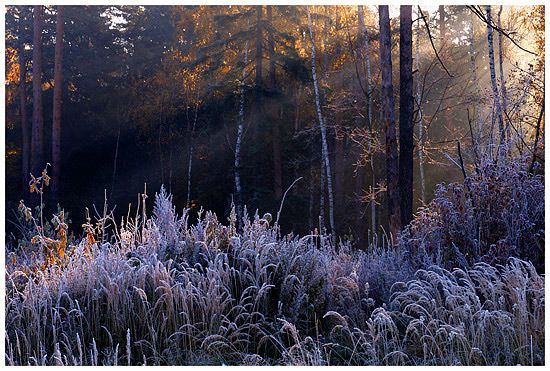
(388, 119)
(503, 92)
(406, 110)
(496, 97)
(339, 131)
(240, 132)
(477, 129)
(37, 141)
(364, 36)
(57, 92)
(191, 134)
(322, 125)
(421, 138)
(25, 133)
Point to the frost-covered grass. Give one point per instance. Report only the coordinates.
(160, 291)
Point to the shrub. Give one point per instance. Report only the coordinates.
(496, 213)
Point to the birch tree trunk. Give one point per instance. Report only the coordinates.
(388, 118)
(370, 146)
(240, 130)
(420, 115)
(322, 125)
(496, 97)
(406, 109)
(37, 141)
(477, 134)
(503, 92)
(56, 120)
(25, 134)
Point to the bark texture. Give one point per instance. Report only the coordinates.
(496, 97)
(406, 109)
(325, 152)
(388, 120)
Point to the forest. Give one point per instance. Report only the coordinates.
(274, 185)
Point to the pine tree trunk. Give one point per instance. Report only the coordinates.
(420, 116)
(56, 120)
(406, 109)
(322, 125)
(277, 163)
(25, 134)
(496, 97)
(37, 141)
(388, 119)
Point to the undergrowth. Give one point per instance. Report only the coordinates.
(160, 291)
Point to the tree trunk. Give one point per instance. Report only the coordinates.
(240, 131)
(420, 116)
(37, 141)
(388, 119)
(477, 134)
(190, 161)
(339, 135)
(25, 134)
(322, 125)
(56, 120)
(496, 97)
(365, 37)
(277, 165)
(406, 109)
(503, 92)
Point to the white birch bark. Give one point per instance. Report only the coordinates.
(240, 130)
(496, 96)
(478, 130)
(322, 125)
(503, 93)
